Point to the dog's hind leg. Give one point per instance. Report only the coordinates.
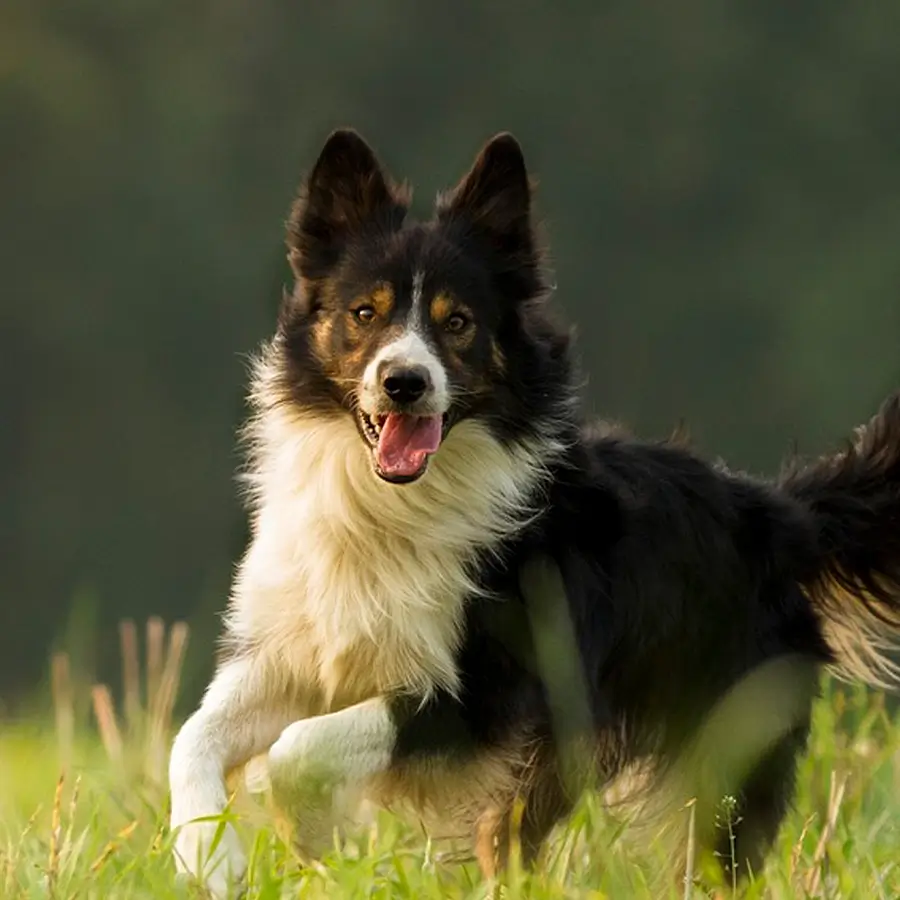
(739, 768)
(525, 820)
(748, 831)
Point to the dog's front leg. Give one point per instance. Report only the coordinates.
(318, 766)
(241, 714)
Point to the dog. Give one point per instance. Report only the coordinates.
(453, 580)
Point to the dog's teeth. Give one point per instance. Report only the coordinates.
(371, 426)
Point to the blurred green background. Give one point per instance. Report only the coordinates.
(720, 181)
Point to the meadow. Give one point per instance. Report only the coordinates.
(83, 813)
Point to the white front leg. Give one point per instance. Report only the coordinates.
(318, 767)
(241, 714)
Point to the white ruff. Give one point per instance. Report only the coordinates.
(351, 586)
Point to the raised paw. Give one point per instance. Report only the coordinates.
(318, 767)
(343, 746)
(304, 753)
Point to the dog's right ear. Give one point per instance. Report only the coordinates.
(346, 193)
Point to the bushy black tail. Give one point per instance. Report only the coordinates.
(854, 497)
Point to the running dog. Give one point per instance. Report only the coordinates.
(453, 578)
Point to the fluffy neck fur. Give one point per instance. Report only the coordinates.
(362, 579)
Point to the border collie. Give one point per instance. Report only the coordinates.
(453, 580)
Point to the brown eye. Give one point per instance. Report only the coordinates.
(364, 314)
(456, 323)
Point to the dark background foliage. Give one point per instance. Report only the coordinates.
(720, 183)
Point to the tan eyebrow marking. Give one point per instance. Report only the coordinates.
(441, 307)
(382, 299)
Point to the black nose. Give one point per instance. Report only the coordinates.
(405, 384)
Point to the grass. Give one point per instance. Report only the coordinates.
(83, 815)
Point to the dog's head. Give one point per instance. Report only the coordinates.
(414, 328)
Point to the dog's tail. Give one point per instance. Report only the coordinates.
(854, 497)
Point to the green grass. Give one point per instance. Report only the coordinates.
(100, 832)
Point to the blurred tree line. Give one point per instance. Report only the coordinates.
(720, 182)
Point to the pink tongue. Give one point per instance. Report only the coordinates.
(405, 442)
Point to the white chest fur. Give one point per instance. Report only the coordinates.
(353, 586)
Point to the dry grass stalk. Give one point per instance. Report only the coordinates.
(14, 853)
(164, 700)
(835, 799)
(150, 724)
(10, 872)
(691, 852)
(156, 635)
(515, 837)
(105, 711)
(161, 711)
(73, 806)
(63, 705)
(131, 674)
(798, 848)
(55, 830)
(112, 846)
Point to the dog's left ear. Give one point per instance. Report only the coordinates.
(493, 201)
(346, 193)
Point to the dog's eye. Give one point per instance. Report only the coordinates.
(364, 314)
(456, 323)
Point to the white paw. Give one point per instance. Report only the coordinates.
(351, 744)
(221, 869)
(318, 768)
(305, 752)
(307, 785)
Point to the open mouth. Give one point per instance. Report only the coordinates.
(401, 443)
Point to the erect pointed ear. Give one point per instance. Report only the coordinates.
(346, 193)
(494, 198)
